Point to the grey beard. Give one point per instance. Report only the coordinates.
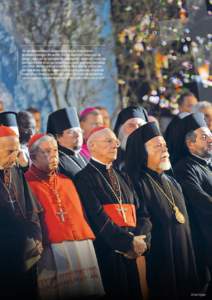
(124, 143)
(165, 166)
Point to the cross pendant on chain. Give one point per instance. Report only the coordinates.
(122, 211)
(12, 203)
(61, 214)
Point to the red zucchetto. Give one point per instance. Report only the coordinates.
(6, 131)
(34, 138)
(96, 129)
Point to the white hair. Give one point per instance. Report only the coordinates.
(200, 106)
(122, 138)
(93, 137)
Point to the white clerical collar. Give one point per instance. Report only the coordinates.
(100, 162)
(76, 152)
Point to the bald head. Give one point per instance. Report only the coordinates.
(103, 145)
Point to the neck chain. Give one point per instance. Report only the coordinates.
(69, 157)
(60, 211)
(118, 197)
(178, 215)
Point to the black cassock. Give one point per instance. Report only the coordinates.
(171, 267)
(195, 176)
(19, 224)
(70, 163)
(119, 274)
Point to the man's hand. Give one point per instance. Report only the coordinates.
(39, 246)
(139, 245)
(131, 254)
(22, 159)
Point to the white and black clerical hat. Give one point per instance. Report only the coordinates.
(136, 154)
(128, 113)
(62, 119)
(9, 119)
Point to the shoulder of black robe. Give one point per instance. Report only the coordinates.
(13, 238)
(13, 235)
(69, 164)
(143, 186)
(29, 205)
(195, 177)
(94, 193)
(196, 182)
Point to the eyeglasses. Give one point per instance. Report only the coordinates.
(205, 137)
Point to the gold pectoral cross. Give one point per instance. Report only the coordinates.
(61, 214)
(122, 210)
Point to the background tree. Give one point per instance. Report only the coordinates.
(58, 25)
(156, 42)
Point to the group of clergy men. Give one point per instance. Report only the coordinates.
(87, 216)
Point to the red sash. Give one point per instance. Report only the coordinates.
(122, 215)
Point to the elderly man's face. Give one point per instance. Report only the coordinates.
(188, 104)
(9, 149)
(158, 156)
(208, 116)
(203, 143)
(91, 121)
(47, 156)
(71, 138)
(131, 125)
(127, 128)
(104, 146)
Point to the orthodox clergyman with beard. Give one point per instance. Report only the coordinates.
(128, 120)
(171, 268)
(193, 171)
(64, 125)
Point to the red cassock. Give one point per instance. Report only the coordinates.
(51, 190)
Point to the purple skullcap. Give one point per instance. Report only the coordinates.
(86, 111)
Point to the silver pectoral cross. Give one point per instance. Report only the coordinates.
(61, 213)
(12, 203)
(122, 210)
